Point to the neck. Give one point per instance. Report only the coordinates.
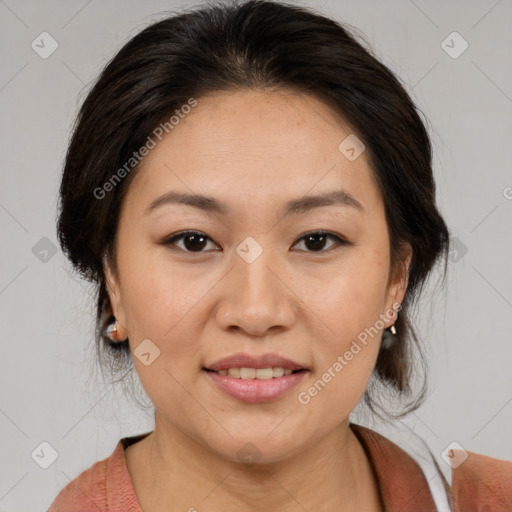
(172, 471)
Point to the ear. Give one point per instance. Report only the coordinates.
(397, 285)
(115, 296)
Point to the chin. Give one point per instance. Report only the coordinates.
(259, 449)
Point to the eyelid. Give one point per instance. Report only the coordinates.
(168, 241)
(339, 239)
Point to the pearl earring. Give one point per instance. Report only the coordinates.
(112, 332)
(389, 336)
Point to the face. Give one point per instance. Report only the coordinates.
(254, 276)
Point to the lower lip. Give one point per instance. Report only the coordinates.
(255, 391)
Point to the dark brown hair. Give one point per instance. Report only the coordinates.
(256, 43)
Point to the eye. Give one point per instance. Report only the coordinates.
(195, 241)
(316, 240)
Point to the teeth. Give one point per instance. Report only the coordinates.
(253, 373)
(264, 373)
(278, 371)
(234, 372)
(248, 373)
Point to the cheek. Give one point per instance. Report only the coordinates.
(349, 306)
(352, 296)
(159, 301)
(346, 356)
(164, 308)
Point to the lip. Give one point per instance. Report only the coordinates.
(241, 360)
(254, 391)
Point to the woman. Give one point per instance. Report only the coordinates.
(252, 192)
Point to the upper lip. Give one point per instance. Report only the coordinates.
(258, 361)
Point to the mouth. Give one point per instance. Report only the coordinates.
(255, 385)
(275, 372)
(246, 364)
(254, 378)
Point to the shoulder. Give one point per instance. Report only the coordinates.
(402, 483)
(105, 486)
(481, 483)
(88, 491)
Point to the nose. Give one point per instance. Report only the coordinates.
(256, 297)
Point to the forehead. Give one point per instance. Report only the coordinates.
(277, 123)
(256, 144)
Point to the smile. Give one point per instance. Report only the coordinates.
(256, 373)
(253, 385)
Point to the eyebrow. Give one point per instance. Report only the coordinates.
(295, 206)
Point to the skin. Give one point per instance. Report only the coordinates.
(253, 150)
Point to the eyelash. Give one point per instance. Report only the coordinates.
(179, 236)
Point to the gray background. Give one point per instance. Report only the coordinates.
(49, 388)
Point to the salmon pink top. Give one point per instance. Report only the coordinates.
(480, 483)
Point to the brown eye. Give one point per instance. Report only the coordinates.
(316, 241)
(193, 241)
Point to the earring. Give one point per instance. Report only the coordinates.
(389, 336)
(112, 332)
